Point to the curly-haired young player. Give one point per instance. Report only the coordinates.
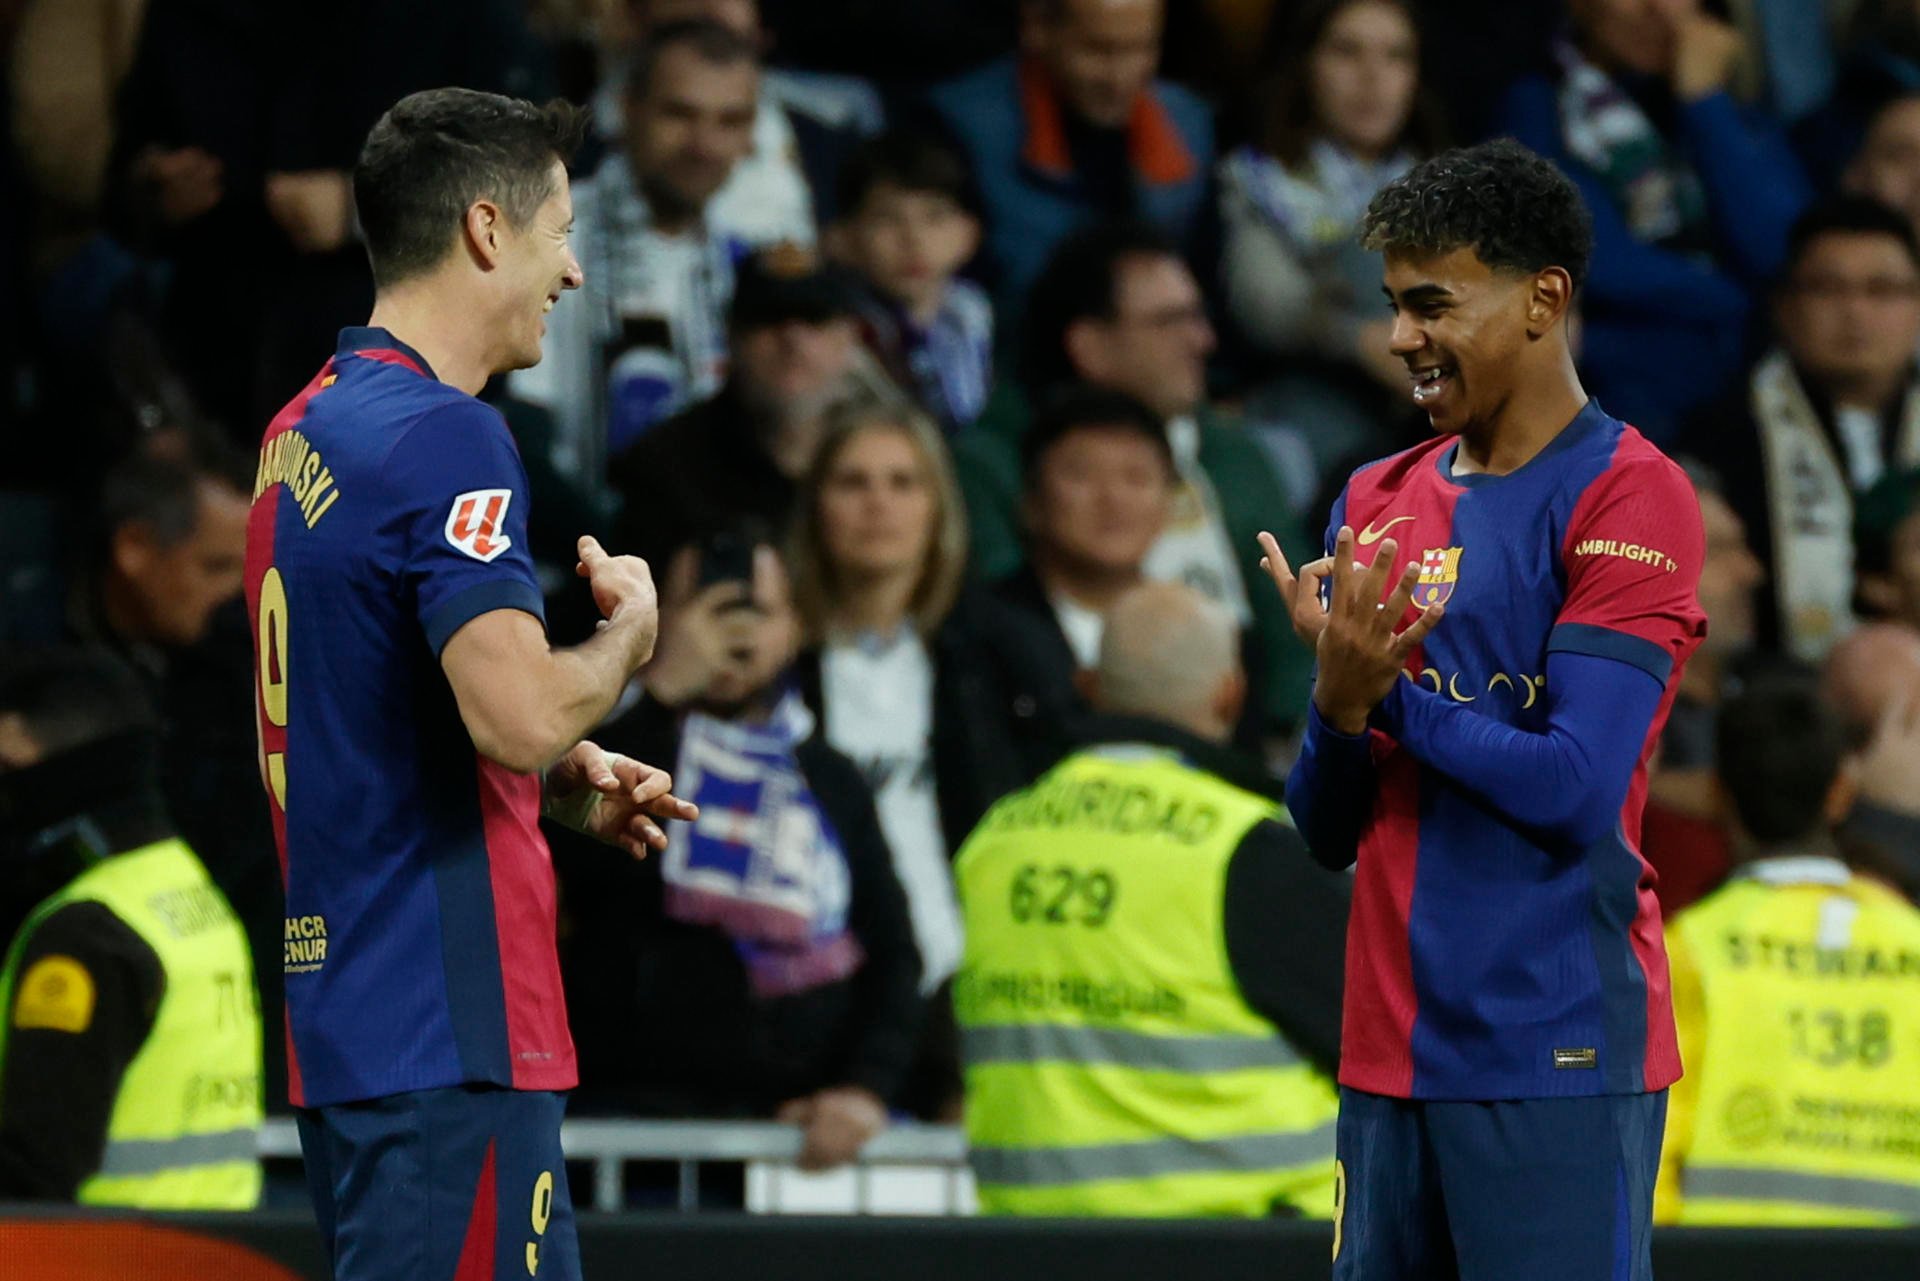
(410, 705)
(1508, 1035)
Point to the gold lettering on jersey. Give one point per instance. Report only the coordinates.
(1626, 551)
(290, 459)
(306, 944)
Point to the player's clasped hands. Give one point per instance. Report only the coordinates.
(1359, 652)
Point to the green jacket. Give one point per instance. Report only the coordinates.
(987, 460)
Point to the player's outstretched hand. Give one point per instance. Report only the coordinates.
(614, 798)
(622, 588)
(1300, 594)
(1360, 653)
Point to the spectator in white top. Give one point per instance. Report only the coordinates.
(935, 692)
(648, 334)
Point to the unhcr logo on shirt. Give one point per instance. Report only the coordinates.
(306, 944)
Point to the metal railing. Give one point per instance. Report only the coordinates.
(608, 1144)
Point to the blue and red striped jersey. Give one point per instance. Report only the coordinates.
(389, 509)
(1487, 959)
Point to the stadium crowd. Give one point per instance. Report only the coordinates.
(922, 348)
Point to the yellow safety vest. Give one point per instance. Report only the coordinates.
(1112, 1065)
(1806, 1093)
(185, 1125)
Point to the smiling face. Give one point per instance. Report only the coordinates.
(538, 266)
(1462, 329)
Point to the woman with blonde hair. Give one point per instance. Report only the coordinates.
(927, 686)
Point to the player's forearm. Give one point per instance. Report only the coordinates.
(585, 681)
(1330, 791)
(1568, 782)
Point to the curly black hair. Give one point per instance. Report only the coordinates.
(1512, 208)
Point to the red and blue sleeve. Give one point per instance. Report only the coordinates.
(1630, 616)
(464, 492)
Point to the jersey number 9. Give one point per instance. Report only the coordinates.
(272, 649)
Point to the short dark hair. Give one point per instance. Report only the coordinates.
(712, 42)
(71, 696)
(1514, 210)
(434, 153)
(1780, 748)
(910, 161)
(161, 493)
(1081, 281)
(1080, 406)
(1846, 215)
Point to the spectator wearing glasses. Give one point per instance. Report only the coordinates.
(1829, 410)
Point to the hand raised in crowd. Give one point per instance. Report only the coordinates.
(1300, 595)
(186, 182)
(622, 588)
(1705, 49)
(707, 634)
(314, 208)
(1887, 770)
(1359, 652)
(614, 798)
(838, 1122)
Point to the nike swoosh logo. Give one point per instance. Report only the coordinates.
(1369, 536)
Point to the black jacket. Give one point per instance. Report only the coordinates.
(663, 1018)
(1001, 706)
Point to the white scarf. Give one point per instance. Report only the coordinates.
(1811, 502)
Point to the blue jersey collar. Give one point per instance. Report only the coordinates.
(366, 340)
(1588, 420)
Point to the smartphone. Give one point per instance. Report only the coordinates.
(726, 557)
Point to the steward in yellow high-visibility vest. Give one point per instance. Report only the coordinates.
(130, 1056)
(1796, 992)
(1149, 997)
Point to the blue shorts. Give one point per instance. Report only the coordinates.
(1532, 1188)
(459, 1184)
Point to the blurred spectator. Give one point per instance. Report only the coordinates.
(1681, 833)
(933, 690)
(647, 336)
(236, 130)
(1099, 486)
(130, 1071)
(1151, 864)
(1692, 197)
(1872, 679)
(739, 454)
(803, 126)
(1117, 308)
(1076, 131)
(1792, 995)
(1824, 414)
(764, 965)
(1344, 116)
(1887, 165)
(905, 231)
(1886, 549)
(1791, 63)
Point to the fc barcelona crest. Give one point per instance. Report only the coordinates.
(1439, 571)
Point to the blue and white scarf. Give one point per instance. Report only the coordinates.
(762, 863)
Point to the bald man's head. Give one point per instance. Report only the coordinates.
(1170, 654)
(1875, 668)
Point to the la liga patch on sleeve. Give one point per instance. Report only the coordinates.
(477, 523)
(56, 993)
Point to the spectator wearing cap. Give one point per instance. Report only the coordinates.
(1823, 415)
(739, 454)
(1692, 198)
(904, 232)
(1075, 130)
(647, 336)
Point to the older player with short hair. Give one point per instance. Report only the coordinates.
(410, 704)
